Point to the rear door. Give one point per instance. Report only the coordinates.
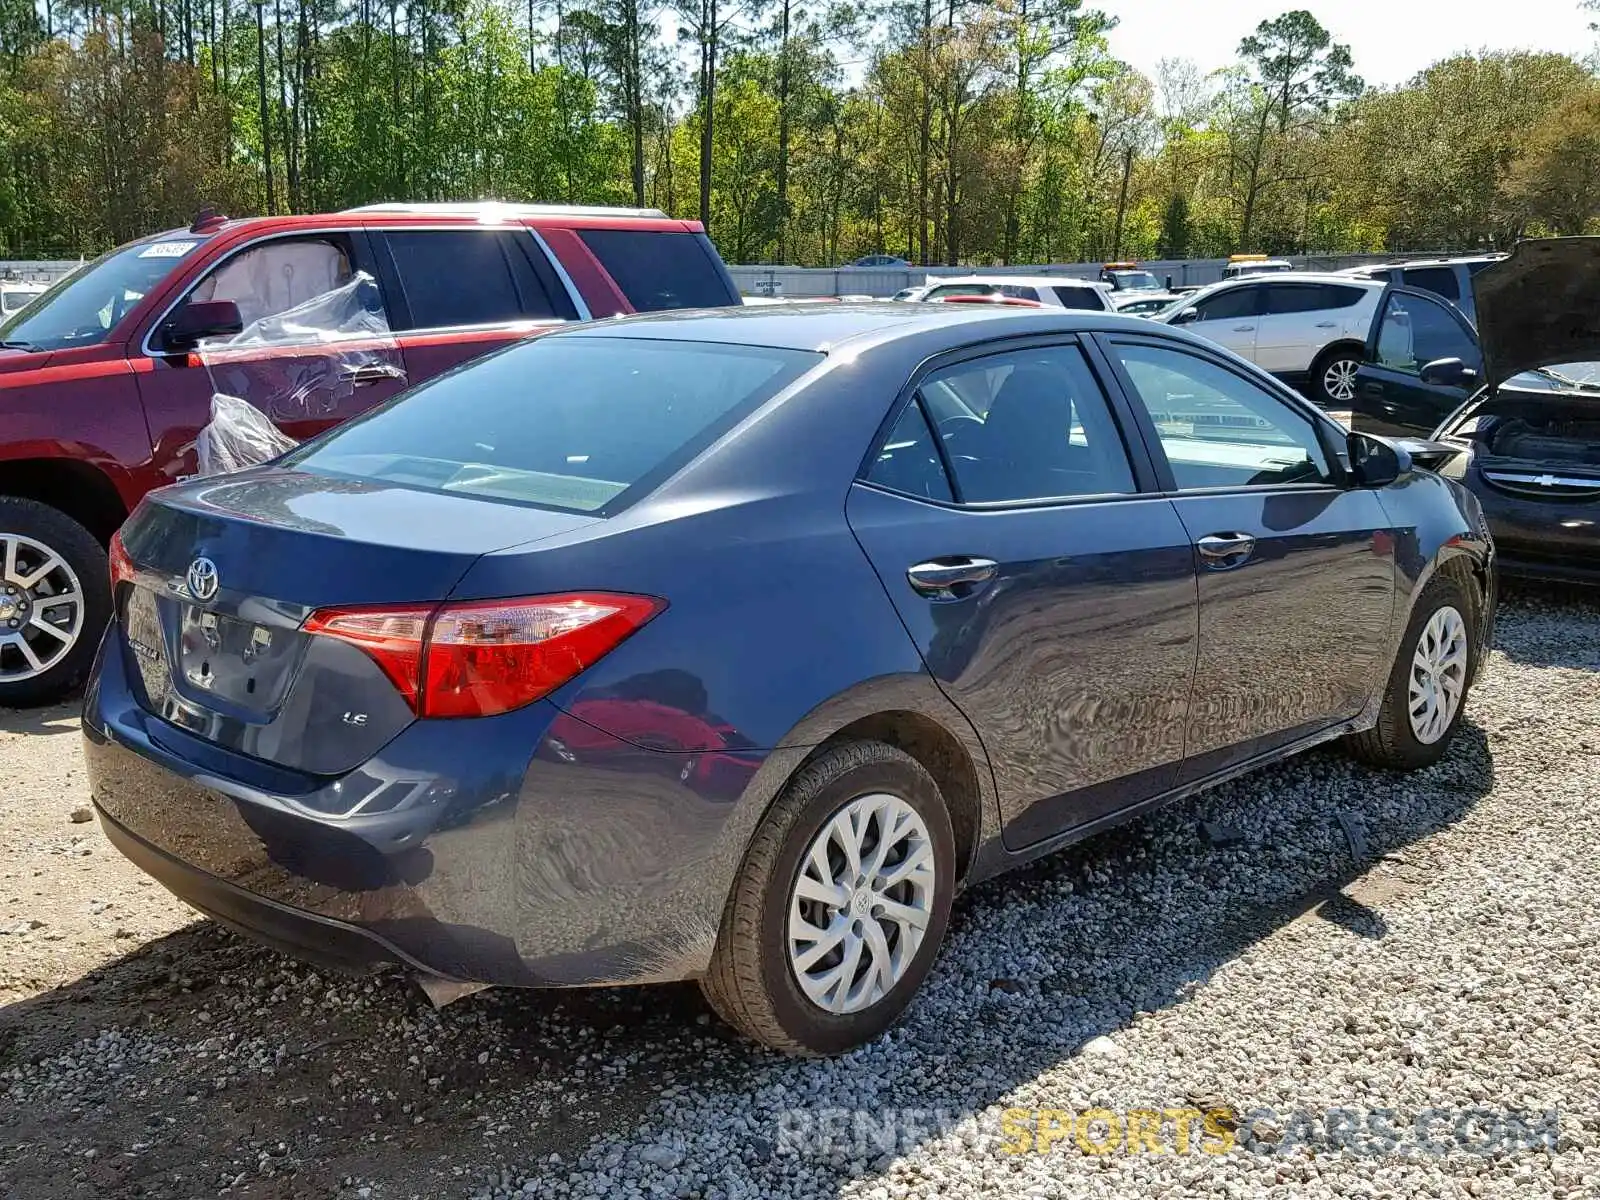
(1295, 566)
(1410, 330)
(1299, 319)
(1051, 593)
(462, 291)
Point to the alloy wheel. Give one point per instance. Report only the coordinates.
(41, 608)
(861, 903)
(1438, 675)
(1339, 379)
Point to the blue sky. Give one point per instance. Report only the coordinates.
(1390, 39)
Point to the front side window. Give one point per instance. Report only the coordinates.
(82, 308)
(1416, 330)
(1229, 304)
(277, 275)
(1218, 429)
(1027, 425)
(568, 423)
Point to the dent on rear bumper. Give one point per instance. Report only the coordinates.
(586, 860)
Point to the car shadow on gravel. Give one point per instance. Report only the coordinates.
(51, 719)
(200, 1061)
(1558, 626)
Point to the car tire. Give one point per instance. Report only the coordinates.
(1398, 741)
(755, 977)
(36, 665)
(1333, 376)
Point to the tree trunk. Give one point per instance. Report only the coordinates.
(783, 135)
(261, 92)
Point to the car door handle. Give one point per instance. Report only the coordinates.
(1243, 328)
(368, 374)
(1327, 325)
(952, 578)
(1223, 550)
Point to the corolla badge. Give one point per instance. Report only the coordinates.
(202, 579)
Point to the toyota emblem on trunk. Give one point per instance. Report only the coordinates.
(202, 579)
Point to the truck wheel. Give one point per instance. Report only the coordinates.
(840, 905)
(55, 600)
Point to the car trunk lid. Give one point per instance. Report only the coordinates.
(226, 571)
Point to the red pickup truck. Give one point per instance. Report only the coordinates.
(104, 385)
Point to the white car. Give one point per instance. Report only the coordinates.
(1305, 328)
(1142, 303)
(16, 295)
(1241, 265)
(1049, 291)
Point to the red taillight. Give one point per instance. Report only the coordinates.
(393, 637)
(488, 656)
(121, 564)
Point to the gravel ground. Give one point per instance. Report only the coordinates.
(1370, 985)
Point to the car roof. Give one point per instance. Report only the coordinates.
(1026, 281)
(825, 327)
(433, 215)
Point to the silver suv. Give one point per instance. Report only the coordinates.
(1305, 328)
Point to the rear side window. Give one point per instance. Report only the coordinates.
(574, 423)
(1310, 297)
(1441, 281)
(1028, 425)
(455, 277)
(661, 270)
(1080, 297)
(909, 461)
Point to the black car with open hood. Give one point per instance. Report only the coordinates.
(1512, 407)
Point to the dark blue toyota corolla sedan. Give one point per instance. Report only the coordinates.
(730, 645)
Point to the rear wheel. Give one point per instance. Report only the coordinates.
(840, 905)
(55, 600)
(1427, 689)
(1334, 376)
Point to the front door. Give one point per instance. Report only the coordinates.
(1295, 566)
(1411, 329)
(315, 349)
(1231, 318)
(1052, 597)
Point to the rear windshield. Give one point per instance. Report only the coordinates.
(658, 270)
(573, 423)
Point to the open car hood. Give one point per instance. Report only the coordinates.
(1538, 307)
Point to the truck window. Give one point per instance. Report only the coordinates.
(657, 270)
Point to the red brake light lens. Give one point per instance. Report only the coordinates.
(392, 637)
(121, 565)
(485, 657)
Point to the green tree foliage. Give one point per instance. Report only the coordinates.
(808, 131)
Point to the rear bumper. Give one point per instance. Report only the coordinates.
(320, 940)
(528, 849)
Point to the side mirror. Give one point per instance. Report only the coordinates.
(1448, 372)
(1187, 317)
(200, 319)
(1375, 462)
